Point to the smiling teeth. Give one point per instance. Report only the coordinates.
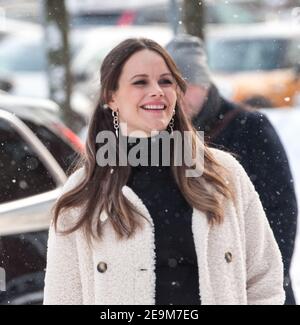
(154, 106)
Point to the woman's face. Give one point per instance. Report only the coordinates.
(146, 94)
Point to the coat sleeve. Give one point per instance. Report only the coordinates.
(263, 258)
(62, 280)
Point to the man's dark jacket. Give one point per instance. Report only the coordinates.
(249, 135)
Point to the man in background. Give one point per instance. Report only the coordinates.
(247, 134)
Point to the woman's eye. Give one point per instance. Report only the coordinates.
(162, 81)
(140, 82)
(166, 81)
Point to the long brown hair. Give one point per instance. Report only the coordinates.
(102, 191)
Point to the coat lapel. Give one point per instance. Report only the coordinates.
(200, 229)
(144, 253)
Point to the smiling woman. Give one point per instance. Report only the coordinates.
(145, 102)
(139, 234)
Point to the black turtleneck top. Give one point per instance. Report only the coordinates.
(177, 281)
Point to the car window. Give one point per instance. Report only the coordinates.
(234, 55)
(22, 55)
(152, 15)
(225, 13)
(22, 174)
(293, 53)
(95, 19)
(64, 154)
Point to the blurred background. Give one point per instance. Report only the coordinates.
(50, 56)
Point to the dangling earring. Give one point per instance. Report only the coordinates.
(116, 122)
(171, 124)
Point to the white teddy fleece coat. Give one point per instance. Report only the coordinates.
(238, 261)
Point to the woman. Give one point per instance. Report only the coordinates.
(135, 234)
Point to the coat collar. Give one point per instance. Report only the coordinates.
(137, 202)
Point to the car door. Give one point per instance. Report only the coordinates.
(30, 182)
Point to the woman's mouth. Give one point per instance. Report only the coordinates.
(154, 107)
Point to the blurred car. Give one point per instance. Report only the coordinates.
(86, 64)
(36, 150)
(13, 26)
(42, 117)
(137, 12)
(23, 60)
(153, 12)
(258, 65)
(23, 66)
(20, 10)
(8, 28)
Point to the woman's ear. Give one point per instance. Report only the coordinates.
(112, 102)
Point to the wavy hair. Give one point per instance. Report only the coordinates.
(101, 191)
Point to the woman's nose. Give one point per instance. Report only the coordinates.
(156, 90)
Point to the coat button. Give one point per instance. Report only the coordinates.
(172, 262)
(228, 257)
(102, 267)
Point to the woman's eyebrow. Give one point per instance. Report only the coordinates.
(146, 76)
(139, 75)
(166, 74)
